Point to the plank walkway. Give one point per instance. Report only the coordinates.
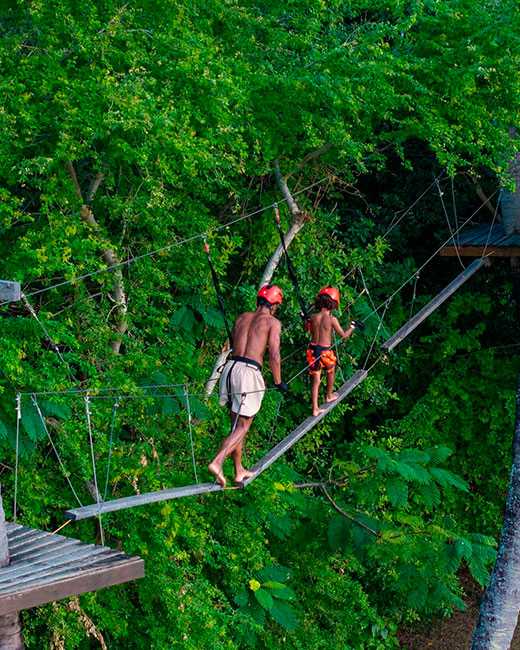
(307, 425)
(46, 567)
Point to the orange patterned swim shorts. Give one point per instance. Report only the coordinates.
(320, 357)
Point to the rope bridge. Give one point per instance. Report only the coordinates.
(102, 507)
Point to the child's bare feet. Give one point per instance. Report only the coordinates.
(216, 470)
(317, 411)
(331, 398)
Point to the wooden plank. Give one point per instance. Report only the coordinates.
(16, 543)
(90, 580)
(478, 251)
(43, 548)
(10, 291)
(54, 560)
(434, 304)
(41, 574)
(140, 500)
(308, 424)
(53, 557)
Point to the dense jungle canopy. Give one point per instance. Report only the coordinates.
(132, 127)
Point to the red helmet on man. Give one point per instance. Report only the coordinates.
(271, 293)
(331, 292)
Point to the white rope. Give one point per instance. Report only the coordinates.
(190, 432)
(441, 194)
(181, 242)
(63, 469)
(380, 324)
(418, 270)
(414, 296)
(491, 229)
(92, 454)
(17, 452)
(110, 442)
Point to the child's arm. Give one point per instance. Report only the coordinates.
(345, 334)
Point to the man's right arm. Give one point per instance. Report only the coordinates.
(274, 351)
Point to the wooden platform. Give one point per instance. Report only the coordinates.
(472, 242)
(46, 567)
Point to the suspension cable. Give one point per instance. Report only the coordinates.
(60, 461)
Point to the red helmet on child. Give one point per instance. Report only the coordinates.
(331, 292)
(272, 293)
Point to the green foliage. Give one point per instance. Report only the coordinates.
(179, 110)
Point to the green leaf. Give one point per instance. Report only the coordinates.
(279, 590)
(439, 454)
(397, 491)
(413, 456)
(275, 572)
(4, 432)
(32, 423)
(184, 319)
(242, 598)
(61, 411)
(285, 615)
(429, 495)
(446, 478)
(264, 598)
(338, 532)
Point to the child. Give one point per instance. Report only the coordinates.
(319, 353)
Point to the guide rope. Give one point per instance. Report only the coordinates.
(115, 406)
(190, 433)
(88, 416)
(17, 453)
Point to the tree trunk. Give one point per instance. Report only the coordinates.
(118, 295)
(297, 224)
(10, 629)
(501, 603)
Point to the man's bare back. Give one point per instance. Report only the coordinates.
(242, 386)
(254, 332)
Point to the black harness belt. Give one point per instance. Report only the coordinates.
(251, 362)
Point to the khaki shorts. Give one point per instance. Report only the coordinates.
(239, 377)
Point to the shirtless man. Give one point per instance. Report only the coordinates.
(319, 353)
(242, 386)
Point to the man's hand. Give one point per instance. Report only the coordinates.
(282, 387)
(358, 325)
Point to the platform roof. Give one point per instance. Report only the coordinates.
(484, 237)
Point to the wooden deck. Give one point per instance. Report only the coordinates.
(46, 567)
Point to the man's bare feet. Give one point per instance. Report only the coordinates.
(242, 475)
(317, 411)
(216, 470)
(331, 398)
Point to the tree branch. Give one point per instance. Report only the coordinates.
(346, 514)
